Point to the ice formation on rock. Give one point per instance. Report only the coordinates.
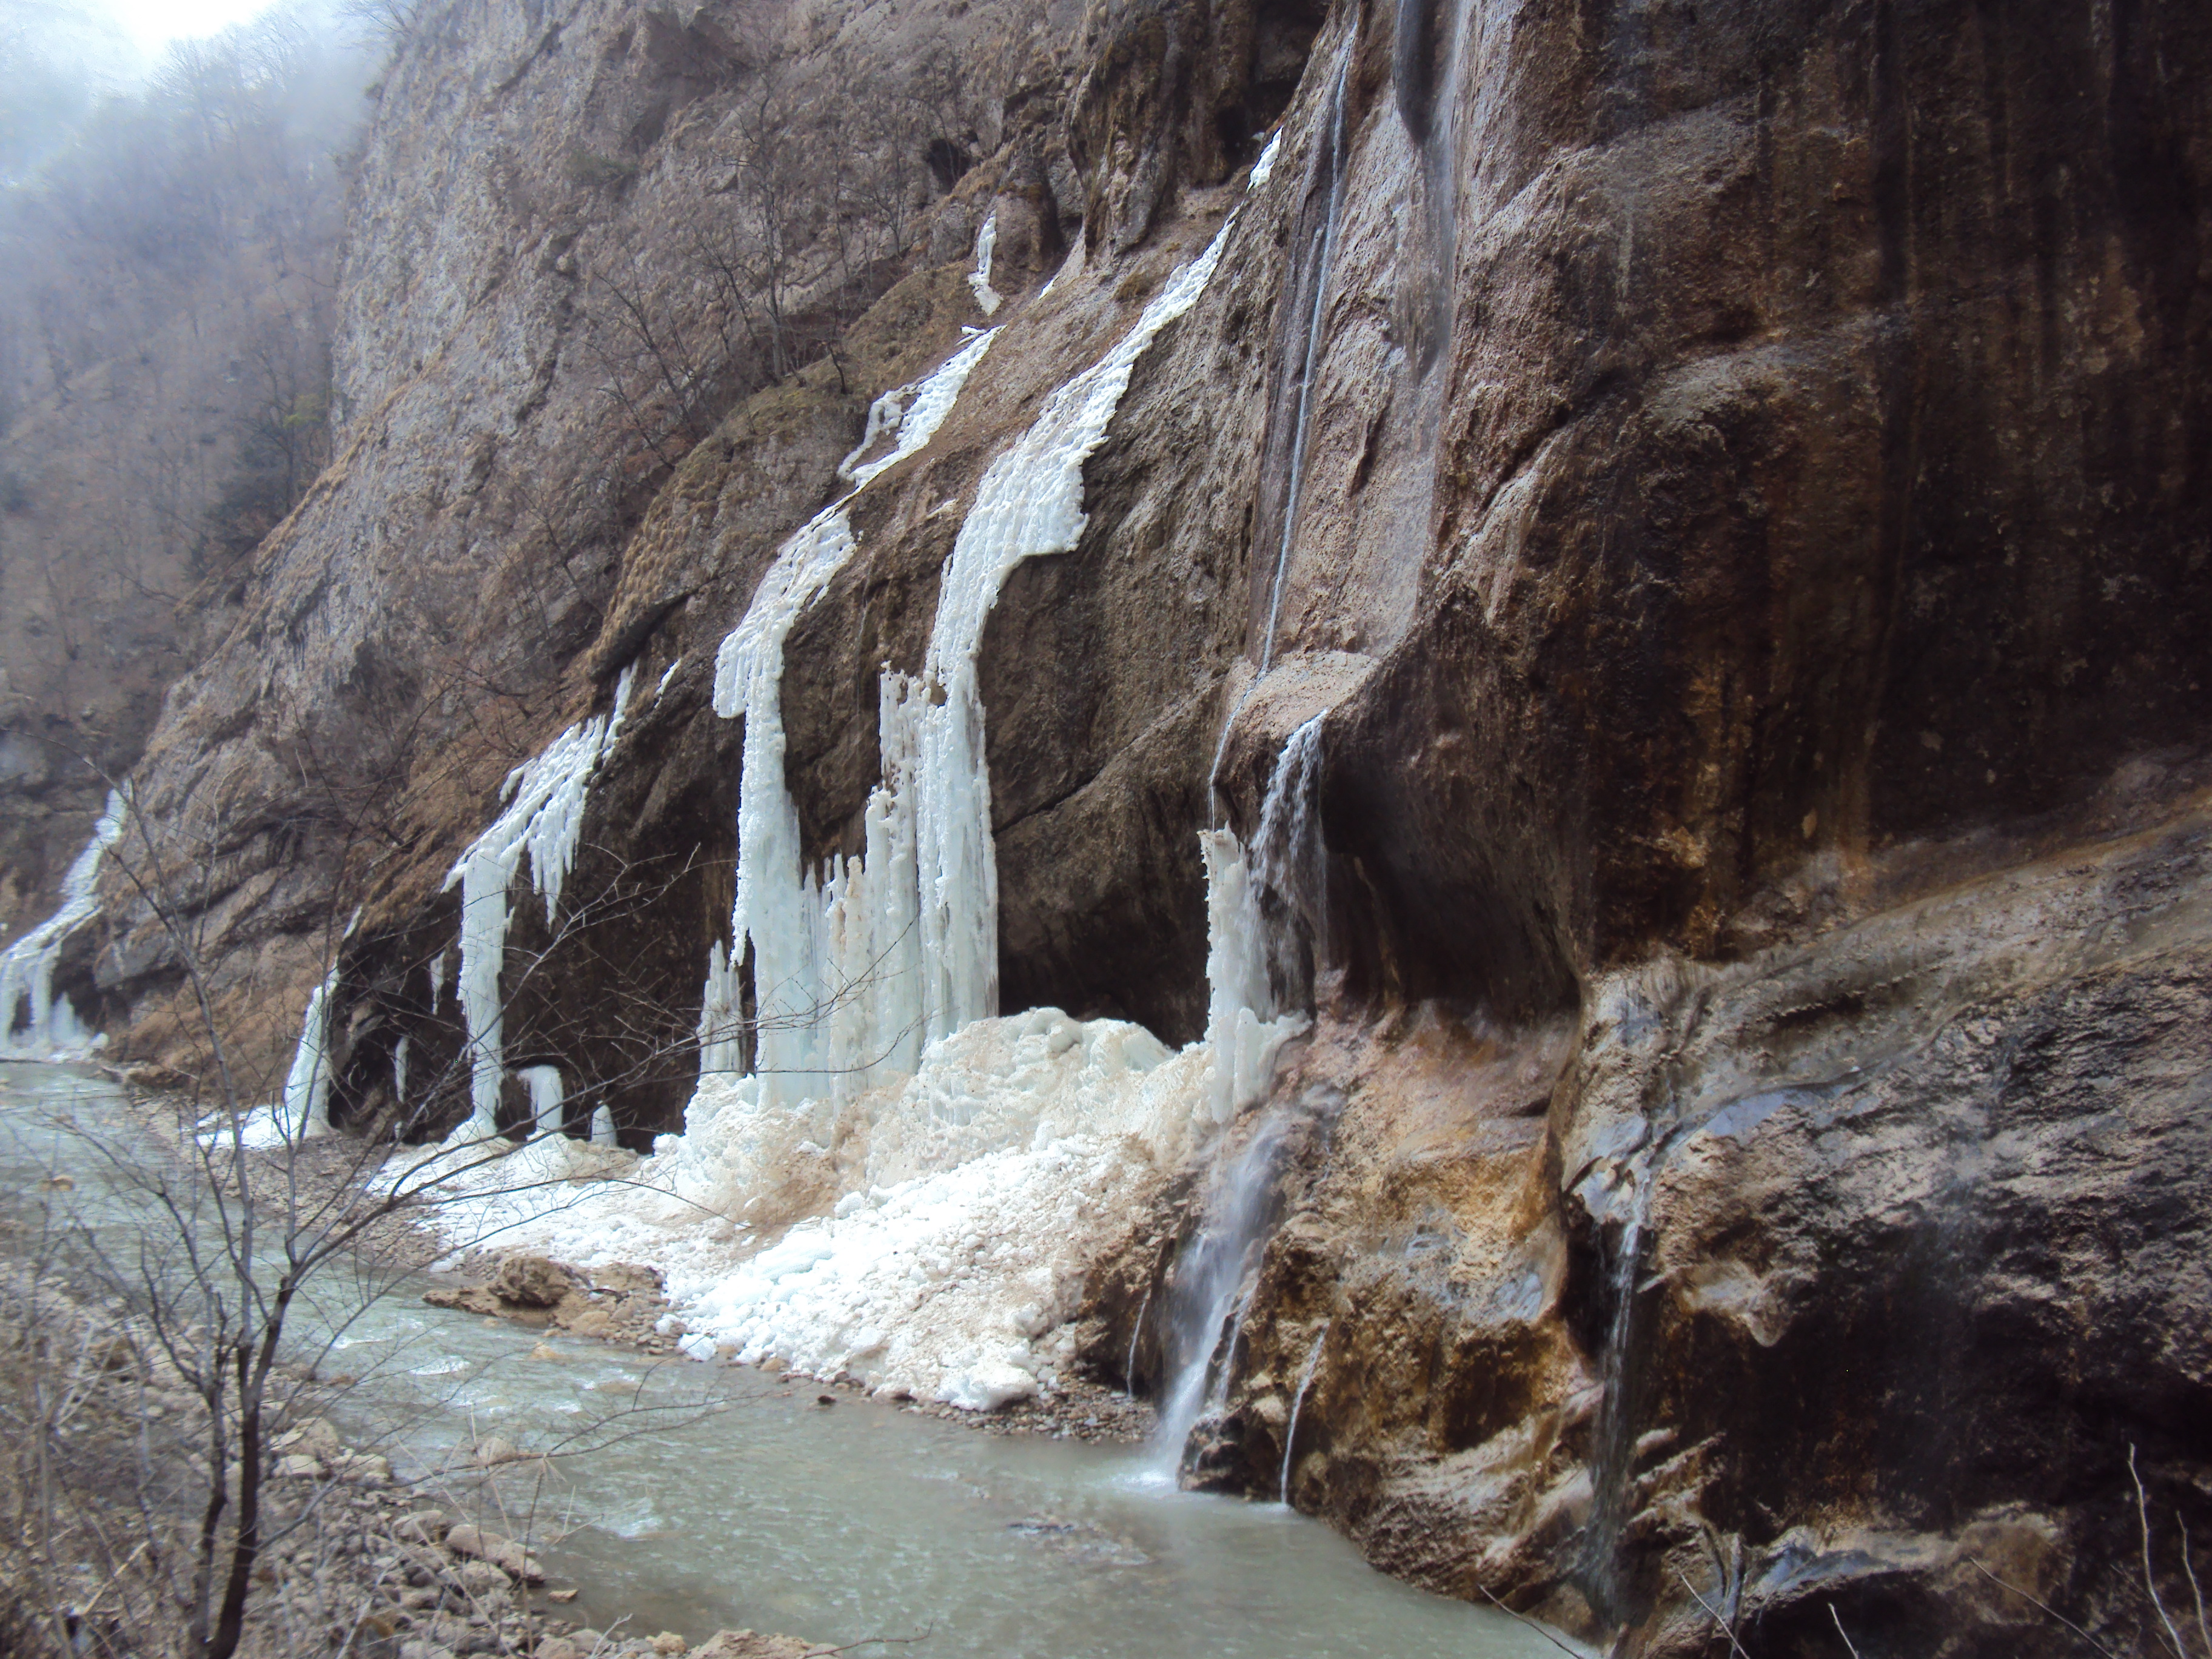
(48, 1027)
(307, 1099)
(810, 941)
(1243, 1028)
(544, 813)
(1028, 505)
(905, 1187)
(932, 1234)
(1264, 168)
(944, 1225)
(979, 280)
(546, 1094)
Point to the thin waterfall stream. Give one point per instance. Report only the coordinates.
(840, 1522)
(1216, 1275)
(1314, 293)
(1298, 1407)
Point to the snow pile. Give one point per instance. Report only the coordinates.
(943, 1225)
(544, 811)
(49, 1028)
(979, 280)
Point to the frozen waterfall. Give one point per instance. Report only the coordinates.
(815, 945)
(543, 814)
(48, 1027)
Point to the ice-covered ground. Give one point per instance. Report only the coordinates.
(932, 1235)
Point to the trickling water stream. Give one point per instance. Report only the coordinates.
(1213, 1278)
(1298, 1407)
(856, 1519)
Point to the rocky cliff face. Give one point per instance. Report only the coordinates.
(1725, 482)
(165, 325)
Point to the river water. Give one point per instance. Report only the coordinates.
(716, 1495)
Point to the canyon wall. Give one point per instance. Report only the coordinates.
(1726, 482)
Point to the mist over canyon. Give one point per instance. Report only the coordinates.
(1467, 738)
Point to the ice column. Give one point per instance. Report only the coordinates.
(779, 908)
(979, 280)
(307, 1085)
(50, 1027)
(545, 812)
(1029, 504)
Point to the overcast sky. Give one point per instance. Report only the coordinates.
(149, 26)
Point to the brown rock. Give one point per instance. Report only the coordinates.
(474, 1542)
(531, 1282)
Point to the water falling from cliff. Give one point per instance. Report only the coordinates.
(1213, 1276)
(1325, 177)
(1628, 1207)
(1429, 69)
(1329, 161)
(49, 1027)
(1297, 1408)
(1290, 867)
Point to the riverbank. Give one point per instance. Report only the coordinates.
(105, 1408)
(624, 1304)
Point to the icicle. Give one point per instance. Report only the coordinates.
(1242, 1027)
(399, 1070)
(50, 1028)
(779, 909)
(721, 1020)
(603, 1129)
(1028, 505)
(437, 979)
(545, 812)
(307, 1105)
(546, 1094)
(979, 280)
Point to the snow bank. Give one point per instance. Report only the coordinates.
(933, 1236)
(49, 1028)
